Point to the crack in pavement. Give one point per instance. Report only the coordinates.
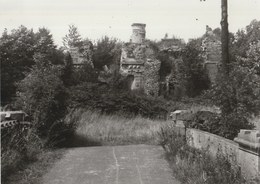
(131, 164)
(117, 165)
(137, 168)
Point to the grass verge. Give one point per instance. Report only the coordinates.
(93, 128)
(31, 173)
(193, 166)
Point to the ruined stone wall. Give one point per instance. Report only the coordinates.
(211, 46)
(151, 77)
(138, 35)
(139, 61)
(82, 55)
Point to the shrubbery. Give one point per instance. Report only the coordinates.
(42, 95)
(101, 97)
(17, 149)
(227, 126)
(191, 165)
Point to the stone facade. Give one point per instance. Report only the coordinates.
(211, 45)
(81, 55)
(138, 61)
(139, 32)
(169, 84)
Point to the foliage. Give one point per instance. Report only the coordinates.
(42, 94)
(32, 172)
(18, 147)
(73, 38)
(99, 96)
(244, 38)
(67, 73)
(166, 65)
(107, 52)
(95, 128)
(194, 76)
(16, 54)
(191, 165)
(206, 121)
(237, 93)
(238, 98)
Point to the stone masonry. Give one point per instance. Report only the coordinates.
(83, 54)
(211, 45)
(244, 151)
(138, 61)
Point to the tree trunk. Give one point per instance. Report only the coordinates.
(224, 36)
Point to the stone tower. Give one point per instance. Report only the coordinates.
(138, 34)
(139, 63)
(211, 45)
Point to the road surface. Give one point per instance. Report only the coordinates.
(134, 164)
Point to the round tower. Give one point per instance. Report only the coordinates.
(138, 34)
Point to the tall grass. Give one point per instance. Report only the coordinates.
(194, 166)
(18, 148)
(94, 128)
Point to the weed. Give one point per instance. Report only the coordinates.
(102, 129)
(191, 165)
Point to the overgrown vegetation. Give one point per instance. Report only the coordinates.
(61, 99)
(195, 166)
(95, 128)
(32, 173)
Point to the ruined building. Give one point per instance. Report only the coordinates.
(82, 54)
(139, 63)
(172, 48)
(211, 46)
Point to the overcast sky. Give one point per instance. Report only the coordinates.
(96, 18)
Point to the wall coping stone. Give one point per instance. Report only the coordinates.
(249, 139)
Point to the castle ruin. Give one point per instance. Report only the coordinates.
(211, 46)
(138, 61)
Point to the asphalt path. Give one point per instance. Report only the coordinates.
(134, 164)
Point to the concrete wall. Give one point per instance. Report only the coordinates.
(200, 139)
(246, 157)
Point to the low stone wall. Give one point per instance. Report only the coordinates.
(200, 139)
(246, 157)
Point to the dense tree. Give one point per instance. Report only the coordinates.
(73, 38)
(44, 44)
(193, 73)
(44, 41)
(107, 52)
(239, 96)
(16, 55)
(17, 50)
(67, 74)
(42, 94)
(244, 38)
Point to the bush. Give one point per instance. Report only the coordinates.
(60, 134)
(19, 146)
(191, 165)
(42, 95)
(100, 97)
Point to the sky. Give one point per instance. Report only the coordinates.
(96, 18)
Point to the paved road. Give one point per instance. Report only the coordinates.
(134, 164)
